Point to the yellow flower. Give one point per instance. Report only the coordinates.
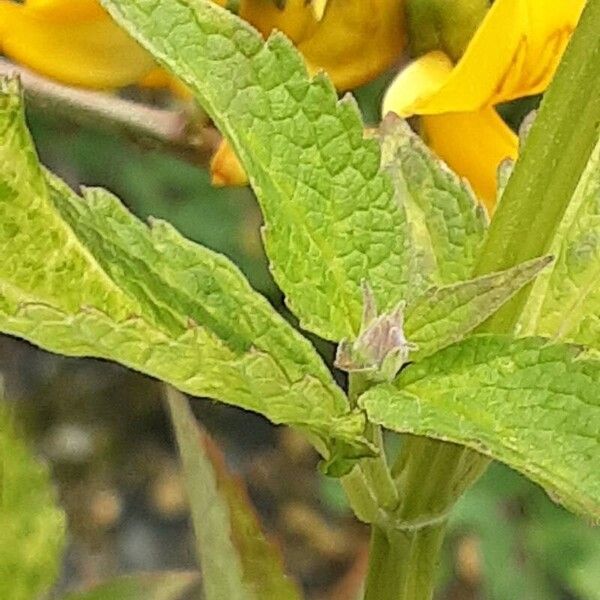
(72, 41)
(352, 40)
(513, 54)
(77, 43)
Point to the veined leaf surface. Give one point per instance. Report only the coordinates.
(83, 277)
(565, 301)
(331, 216)
(530, 404)
(445, 223)
(445, 315)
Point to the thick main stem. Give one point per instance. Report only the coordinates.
(432, 475)
(404, 551)
(403, 564)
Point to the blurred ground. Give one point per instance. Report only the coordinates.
(106, 435)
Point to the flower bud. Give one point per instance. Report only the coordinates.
(381, 347)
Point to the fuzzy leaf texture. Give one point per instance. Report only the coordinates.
(83, 277)
(154, 586)
(32, 527)
(237, 561)
(445, 224)
(447, 314)
(565, 301)
(331, 216)
(530, 404)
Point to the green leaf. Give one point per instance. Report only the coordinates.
(331, 217)
(83, 277)
(148, 586)
(565, 302)
(445, 315)
(529, 404)
(446, 224)
(32, 527)
(237, 561)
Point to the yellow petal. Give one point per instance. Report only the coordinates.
(547, 28)
(486, 61)
(61, 11)
(74, 42)
(514, 53)
(318, 7)
(357, 40)
(354, 41)
(473, 145)
(226, 169)
(417, 82)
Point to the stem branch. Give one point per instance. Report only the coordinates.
(174, 131)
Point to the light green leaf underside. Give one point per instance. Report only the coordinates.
(146, 586)
(531, 405)
(445, 223)
(32, 527)
(83, 277)
(331, 218)
(446, 315)
(237, 561)
(565, 301)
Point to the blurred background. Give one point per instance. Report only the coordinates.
(106, 435)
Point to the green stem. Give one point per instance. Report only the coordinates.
(403, 564)
(432, 475)
(377, 473)
(361, 497)
(405, 549)
(370, 488)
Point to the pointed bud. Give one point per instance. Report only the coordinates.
(381, 347)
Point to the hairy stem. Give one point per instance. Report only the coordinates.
(369, 487)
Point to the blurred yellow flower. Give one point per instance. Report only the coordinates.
(72, 41)
(513, 54)
(352, 40)
(77, 43)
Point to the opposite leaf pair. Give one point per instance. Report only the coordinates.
(333, 219)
